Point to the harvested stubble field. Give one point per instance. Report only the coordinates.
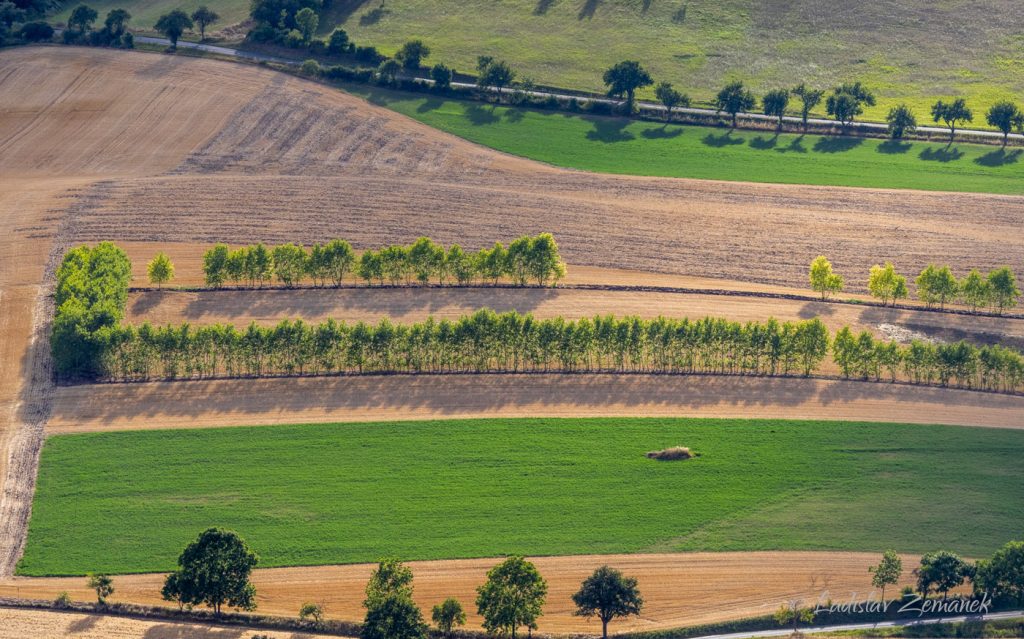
(678, 589)
(340, 493)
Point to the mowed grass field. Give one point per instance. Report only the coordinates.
(336, 493)
(909, 51)
(145, 13)
(622, 145)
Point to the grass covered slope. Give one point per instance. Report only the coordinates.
(130, 501)
(621, 145)
(909, 51)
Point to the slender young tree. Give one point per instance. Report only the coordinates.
(670, 98)
(951, 113)
(204, 17)
(775, 103)
(809, 98)
(734, 99)
(160, 270)
(823, 280)
(887, 572)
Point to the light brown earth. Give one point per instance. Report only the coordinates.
(678, 589)
(40, 624)
(98, 145)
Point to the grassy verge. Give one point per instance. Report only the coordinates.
(621, 145)
(319, 494)
(1000, 628)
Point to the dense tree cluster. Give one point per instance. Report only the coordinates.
(113, 33)
(527, 260)
(92, 290)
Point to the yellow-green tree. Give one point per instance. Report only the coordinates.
(160, 270)
(886, 284)
(823, 280)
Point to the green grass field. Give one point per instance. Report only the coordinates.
(319, 494)
(909, 51)
(620, 145)
(145, 13)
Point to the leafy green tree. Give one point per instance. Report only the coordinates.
(10, 13)
(102, 584)
(172, 590)
(941, 571)
(1005, 116)
(936, 285)
(447, 615)
(391, 578)
(1002, 576)
(290, 264)
(116, 21)
(670, 98)
(517, 260)
(624, 78)
(734, 98)
(461, 265)
(173, 24)
(160, 269)
(412, 54)
(512, 596)
(204, 16)
(338, 42)
(214, 570)
(493, 74)
(388, 71)
(1002, 285)
(307, 21)
(901, 121)
(394, 262)
(543, 262)
(82, 17)
(215, 262)
(340, 259)
(794, 613)
(312, 612)
(823, 280)
(847, 102)
(885, 284)
(395, 617)
(425, 258)
(259, 264)
(951, 113)
(493, 264)
(607, 594)
(371, 267)
(310, 68)
(975, 290)
(442, 77)
(775, 103)
(887, 572)
(809, 98)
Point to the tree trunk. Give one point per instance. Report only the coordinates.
(604, 628)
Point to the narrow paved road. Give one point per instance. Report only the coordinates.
(868, 127)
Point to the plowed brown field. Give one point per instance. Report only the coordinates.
(678, 589)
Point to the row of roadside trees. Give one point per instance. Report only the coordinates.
(936, 286)
(526, 260)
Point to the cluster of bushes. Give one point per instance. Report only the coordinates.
(21, 21)
(936, 286)
(92, 290)
(294, 23)
(113, 33)
(525, 260)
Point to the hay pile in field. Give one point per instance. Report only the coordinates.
(671, 454)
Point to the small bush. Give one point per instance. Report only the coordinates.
(671, 454)
(63, 600)
(310, 68)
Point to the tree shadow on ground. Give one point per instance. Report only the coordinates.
(796, 145)
(514, 114)
(588, 9)
(480, 115)
(894, 147)
(645, 7)
(662, 132)
(838, 144)
(430, 104)
(762, 143)
(679, 16)
(341, 10)
(999, 157)
(609, 130)
(944, 154)
(719, 141)
(543, 6)
(373, 17)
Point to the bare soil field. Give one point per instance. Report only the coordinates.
(248, 402)
(405, 305)
(18, 624)
(678, 589)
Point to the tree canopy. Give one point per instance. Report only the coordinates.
(214, 570)
(847, 102)
(901, 121)
(173, 24)
(823, 280)
(512, 596)
(733, 99)
(775, 103)
(204, 16)
(412, 54)
(887, 572)
(951, 113)
(1005, 116)
(624, 78)
(607, 594)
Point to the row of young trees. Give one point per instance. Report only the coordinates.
(1003, 115)
(526, 260)
(936, 285)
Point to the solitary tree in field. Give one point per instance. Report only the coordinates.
(775, 103)
(1002, 285)
(204, 17)
(734, 99)
(312, 612)
(975, 290)
(809, 98)
(307, 21)
(412, 54)
(607, 594)
(214, 570)
(160, 270)
(103, 585)
(448, 614)
(82, 17)
(823, 280)
(172, 25)
(847, 102)
(624, 79)
(116, 21)
(901, 121)
(951, 113)
(886, 284)
(670, 98)
(1005, 116)
(513, 596)
(887, 572)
